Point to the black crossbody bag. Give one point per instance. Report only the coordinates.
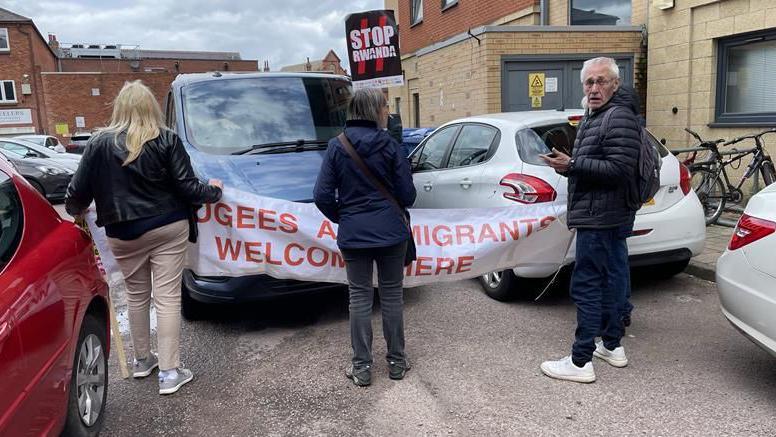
(411, 254)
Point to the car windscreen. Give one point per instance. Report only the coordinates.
(224, 116)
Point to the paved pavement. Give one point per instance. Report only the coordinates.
(277, 369)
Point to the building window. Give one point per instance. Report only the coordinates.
(600, 12)
(746, 79)
(448, 4)
(7, 91)
(5, 46)
(416, 11)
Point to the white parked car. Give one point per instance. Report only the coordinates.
(48, 141)
(746, 272)
(493, 160)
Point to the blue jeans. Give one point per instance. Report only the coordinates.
(600, 284)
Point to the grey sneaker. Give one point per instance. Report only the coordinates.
(397, 370)
(143, 368)
(172, 383)
(361, 377)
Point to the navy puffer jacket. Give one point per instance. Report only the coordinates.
(604, 174)
(346, 196)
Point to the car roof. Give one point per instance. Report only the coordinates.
(25, 143)
(6, 166)
(190, 78)
(33, 136)
(521, 118)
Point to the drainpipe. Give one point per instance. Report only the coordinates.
(43, 122)
(544, 13)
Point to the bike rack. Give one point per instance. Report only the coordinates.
(732, 151)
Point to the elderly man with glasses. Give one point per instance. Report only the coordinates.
(602, 175)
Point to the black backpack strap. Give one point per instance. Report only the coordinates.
(605, 124)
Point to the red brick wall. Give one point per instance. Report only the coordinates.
(68, 95)
(184, 65)
(438, 25)
(28, 55)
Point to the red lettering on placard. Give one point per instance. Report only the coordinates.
(530, 223)
(311, 256)
(287, 255)
(464, 264)
(513, 232)
(267, 219)
(288, 223)
(244, 215)
(326, 229)
(446, 241)
(337, 260)
(446, 264)
(218, 210)
(206, 217)
(421, 268)
(486, 232)
(464, 231)
(253, 251)
(227, 247)
(545, 222)
(269, 256)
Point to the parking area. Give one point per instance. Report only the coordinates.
(277, 369)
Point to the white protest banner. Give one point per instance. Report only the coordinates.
(246, 234)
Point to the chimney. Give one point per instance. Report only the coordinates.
(266, 66)
(308, 66)
(52, 42)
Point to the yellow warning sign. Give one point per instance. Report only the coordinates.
(536, 102)
(536, 84)
(62, 128)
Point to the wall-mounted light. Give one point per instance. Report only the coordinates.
(663, 4)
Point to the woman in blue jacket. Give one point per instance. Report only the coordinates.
(371, 229)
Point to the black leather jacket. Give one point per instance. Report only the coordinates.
(159, 181)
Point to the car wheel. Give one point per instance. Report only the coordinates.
(498, 285)
(191, 309)
(89, 381)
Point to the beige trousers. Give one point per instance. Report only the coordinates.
(159, 254)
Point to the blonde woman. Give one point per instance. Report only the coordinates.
(141, 180)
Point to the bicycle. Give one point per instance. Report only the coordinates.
(710, 179)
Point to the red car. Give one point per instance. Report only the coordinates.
(54, 325)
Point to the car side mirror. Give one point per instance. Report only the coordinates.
(30, 154)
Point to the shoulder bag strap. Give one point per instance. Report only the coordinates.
(364, 169)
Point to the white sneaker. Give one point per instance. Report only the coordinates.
(616, 357)
(564, 368)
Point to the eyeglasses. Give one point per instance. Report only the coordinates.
(600, 82)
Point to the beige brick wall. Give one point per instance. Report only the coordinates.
(682, 64)
(465, 79)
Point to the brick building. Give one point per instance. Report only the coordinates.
(331, 63)
(60, 89)
(715, 63)
(462, 57)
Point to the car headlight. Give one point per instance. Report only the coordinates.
(51, 170)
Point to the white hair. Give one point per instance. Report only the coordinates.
(614, 70)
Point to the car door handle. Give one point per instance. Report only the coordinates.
(428, 186)
(466, 183)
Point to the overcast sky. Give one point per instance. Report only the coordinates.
(281, 31)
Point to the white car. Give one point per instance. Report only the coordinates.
(493, 160)
(48, 141)
(746, 272)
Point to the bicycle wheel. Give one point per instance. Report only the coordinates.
(711, 192)
(768, 172)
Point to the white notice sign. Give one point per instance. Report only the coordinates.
(551, 85)
(80, 122)
(15, 116)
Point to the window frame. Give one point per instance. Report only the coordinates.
(571, 7)
(3, 99)
(447, 4)
(743, 119)
(416, 19)
(4, 30)
(492, 147)
(15, 243)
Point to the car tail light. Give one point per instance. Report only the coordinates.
(528, 189)
(640, 232)
(574, 119)
(750, 229)
(684, 179)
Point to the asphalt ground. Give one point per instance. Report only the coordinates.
(277, 369)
